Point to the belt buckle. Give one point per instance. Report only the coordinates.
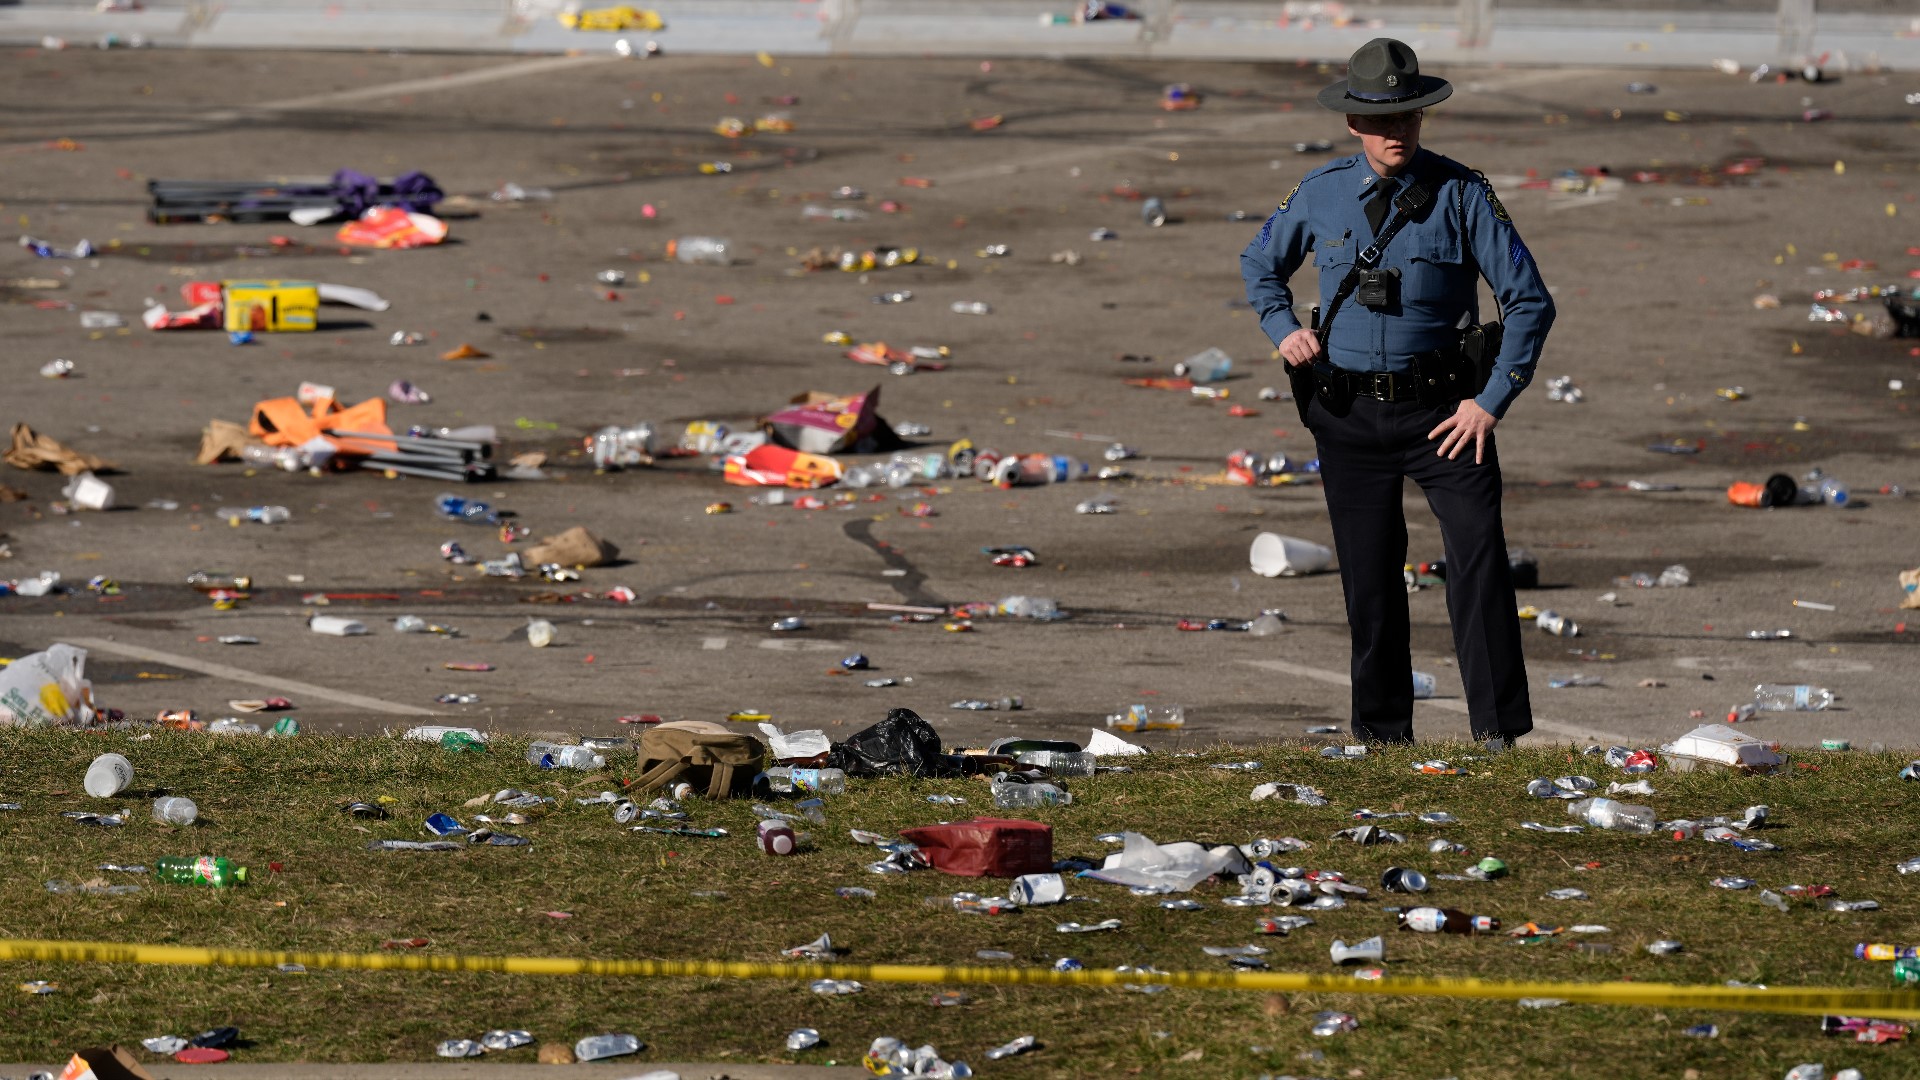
(1382, 385)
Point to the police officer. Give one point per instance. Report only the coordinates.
(1396, 380)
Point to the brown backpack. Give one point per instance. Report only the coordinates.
(717, 761)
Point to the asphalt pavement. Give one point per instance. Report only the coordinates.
(1655, 281)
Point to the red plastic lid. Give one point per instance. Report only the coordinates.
(200, 1055)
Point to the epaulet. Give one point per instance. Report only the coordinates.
(1333, 166)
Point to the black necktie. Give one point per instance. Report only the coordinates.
(1379, 203)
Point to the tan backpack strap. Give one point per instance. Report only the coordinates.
(662, 774)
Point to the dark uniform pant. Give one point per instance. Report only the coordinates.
(1364, 457)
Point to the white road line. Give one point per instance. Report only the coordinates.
(240, 675)
(496, 73)
(1338, 679)
(713, 644)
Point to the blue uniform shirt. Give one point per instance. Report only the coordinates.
(1462, 233)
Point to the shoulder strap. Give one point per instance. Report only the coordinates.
(1405, 205)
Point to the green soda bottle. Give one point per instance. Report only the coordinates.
(1906, 972)
(209, 870)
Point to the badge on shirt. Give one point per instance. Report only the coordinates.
(1499, 212)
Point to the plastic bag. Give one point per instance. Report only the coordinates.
(901, 745)
(1169, 867)
(47, 689)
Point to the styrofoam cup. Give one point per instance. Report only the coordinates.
(1274, 555)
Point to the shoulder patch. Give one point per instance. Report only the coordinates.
(1266, 231)
(1289, 199)
(1499, 212)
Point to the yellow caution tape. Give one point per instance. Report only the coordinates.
(1892, 1004)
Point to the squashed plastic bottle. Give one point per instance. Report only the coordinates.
(1027, 796)
(784, 778)
(706, 250)
(1149, 718)
(1030, 607)
(558, 756)
(1603, 813)
(1780, 697)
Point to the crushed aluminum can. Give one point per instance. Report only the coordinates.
(856, 662)
(459, 1048)
(1330, 1023)
(1068, 963)
(165, 1044)
(1077, 928)
(1438, 817)
(1665, 947)
(789, 624)
(1567, 894)
(1702, 1031)
(1399, 879)
(1183, 905)
(803, 1039)
(834, 987)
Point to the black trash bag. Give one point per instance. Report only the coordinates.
(901, 745)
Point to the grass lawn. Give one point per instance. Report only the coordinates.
(1843, 819)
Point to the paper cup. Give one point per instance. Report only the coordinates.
(1274, 555)
(108, 776)
(89, 492)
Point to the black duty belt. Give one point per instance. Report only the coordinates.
(1435, 378)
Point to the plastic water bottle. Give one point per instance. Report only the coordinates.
(972, 307)
(1059, 762)
(559, 756)
(1026, 796)
(409, 624)
(786, 779)
(1779, 697)
(1029, 607)
(209, 870)
(1211, 366)
(596, 1047)
(704, 250)
(1604, 813)
(175, 810)
(1149, 718)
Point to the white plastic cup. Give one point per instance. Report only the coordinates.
(1423, 685)
(109, 775)
(1274, 555)
(336, 626)
(539, 633)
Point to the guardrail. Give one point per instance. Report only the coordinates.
(1885, 35)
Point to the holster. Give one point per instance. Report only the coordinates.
(1480, 347)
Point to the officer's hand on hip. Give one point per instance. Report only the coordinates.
(1300, 347)
(1469, 423)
